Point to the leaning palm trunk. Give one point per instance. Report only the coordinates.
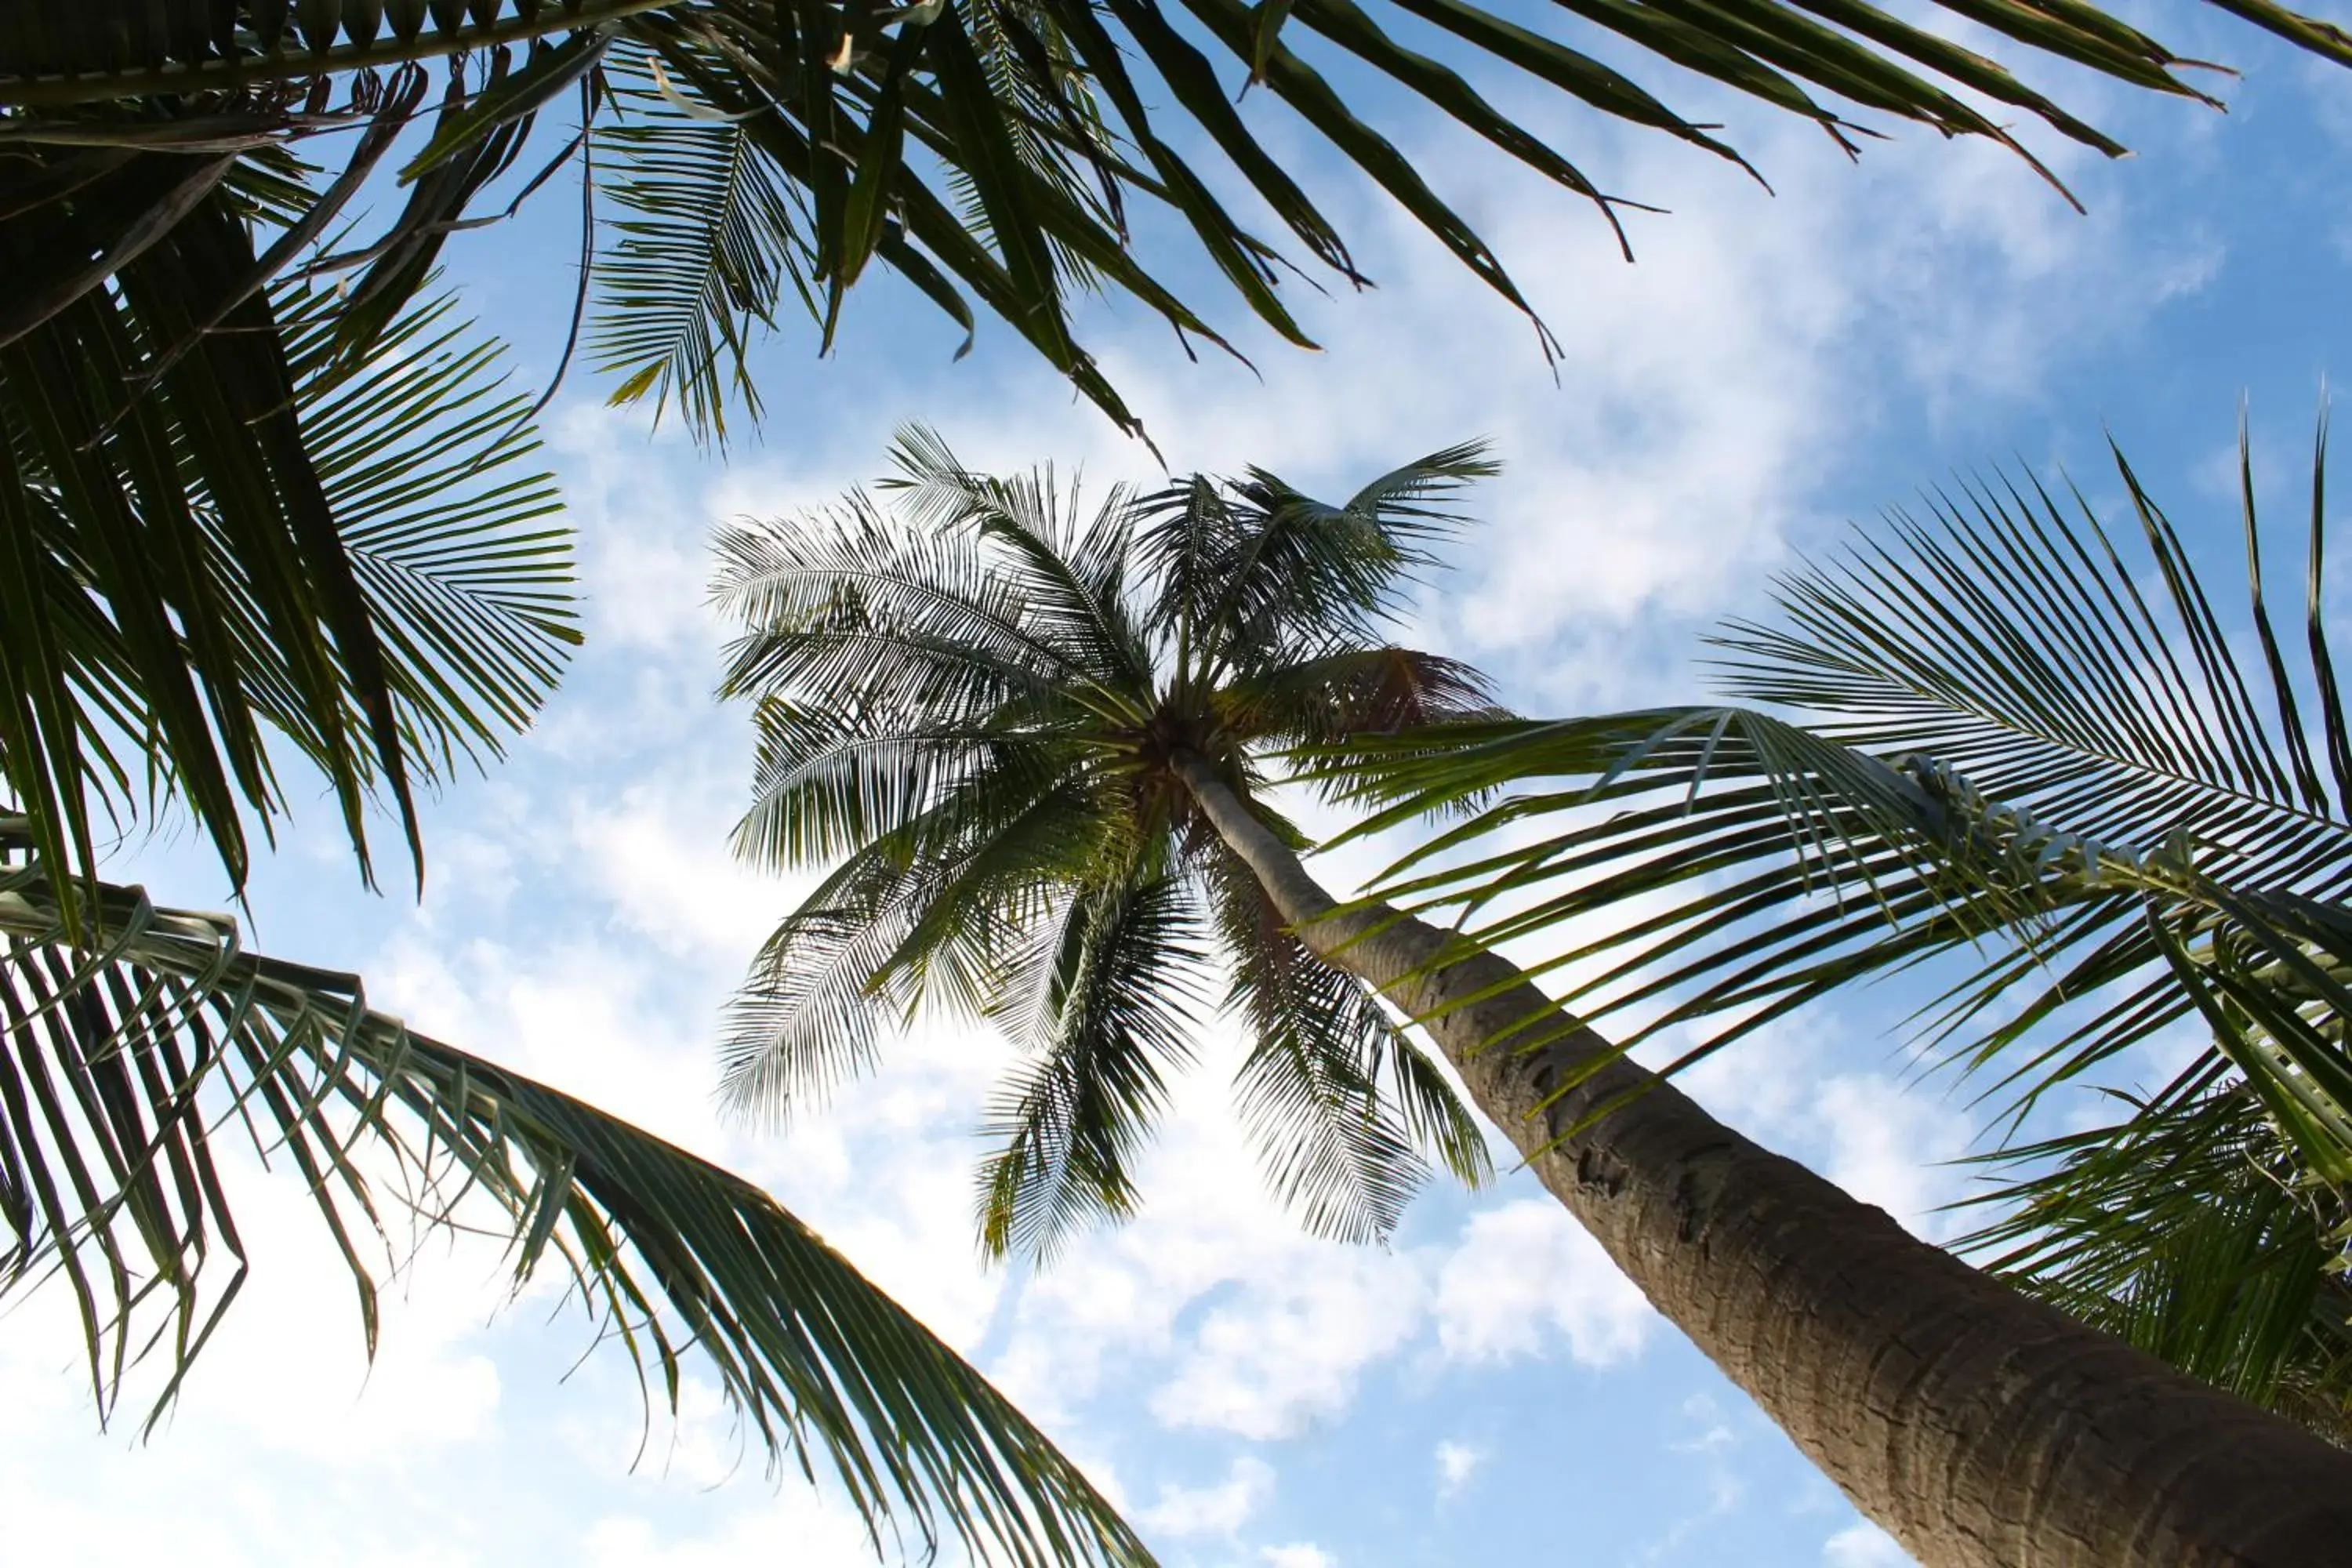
(1978, 1427)
(1042, 745)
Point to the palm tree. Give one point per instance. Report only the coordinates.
(1040, 750)
(1985, 746)
(986, 714)
(186, 667)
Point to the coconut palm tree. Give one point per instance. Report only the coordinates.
(148, 1062)
(984, 712)
(1040, 748)
(2002, 740)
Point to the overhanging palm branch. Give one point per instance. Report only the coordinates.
(263, 537)
(969, 707)
(141, 1068)
(989, 150)
(2191, 1228)
(2024, 748)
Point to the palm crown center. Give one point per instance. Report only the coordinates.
(987, 720)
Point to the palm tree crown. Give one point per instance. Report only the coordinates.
(978, 704)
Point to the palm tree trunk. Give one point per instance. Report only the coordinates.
(1980, 1428)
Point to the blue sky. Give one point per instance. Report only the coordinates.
(1487, 1388)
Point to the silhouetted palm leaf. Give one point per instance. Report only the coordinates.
(137, 1071)
(987, 150)
(265, 538)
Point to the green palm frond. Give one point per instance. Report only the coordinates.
(1109, 992)
(915, 916)
(260, 534)
(2002, 730)
(2023, 745)
(133, 1068)
(707, 240)
(906, 618)
(465, 570)
(1322, 700)
(1263, 566)
(1071, 577)
(992, 152)
(2191, 1230)
(1335, 1148)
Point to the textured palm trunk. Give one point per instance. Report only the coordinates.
(1977, 1427)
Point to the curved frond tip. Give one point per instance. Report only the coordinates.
(125, 1063)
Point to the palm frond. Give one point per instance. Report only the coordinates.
(916, 917)
(990, 150)
(1321, 700)
(219, 538)
(1070, 578)
(1992, 676)
(1103, 1002)
(2190, 1229)
(421, 450)
(855, 601)
(709, 242)
(1333, 1148)
(1263, 576)
(131, 1066)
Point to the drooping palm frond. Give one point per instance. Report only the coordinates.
(461, 561)
(969, 703)
(2191, 1229)
(921, 916)
(1309, 1091)
(707, 242)
(2029, 751)
(138, 1070)
(219, 539)
(991, 151)
(1109, 994)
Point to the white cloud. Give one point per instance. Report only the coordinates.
(1289, 1352)
(644, 558)
(1455, 1464)
(1714, 1434)
(799, 1527)
(1891, 1144)
(1297, 1554)
(659, 854)
(1526, 1267)
(1219, 1509)
(1864, 1545)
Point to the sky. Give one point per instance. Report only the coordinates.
(1773, 367)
